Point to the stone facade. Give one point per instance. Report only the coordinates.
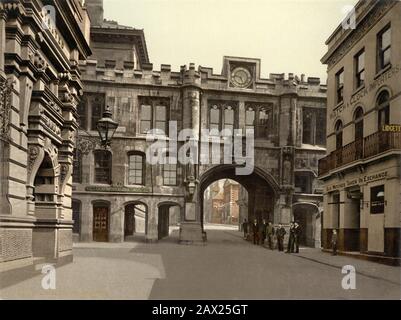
(40, 50)
(362, 171)
(277, 107)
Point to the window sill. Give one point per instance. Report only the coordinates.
(357, 90)
(382, 71)
(340, 104)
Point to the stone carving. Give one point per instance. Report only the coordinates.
(55, 106)
(65, 76)
(287, 171)
(68, 97)
(85, 145)
(51, 125)
(5, 106)
(39, 62)
(65, 174)
(33, 153)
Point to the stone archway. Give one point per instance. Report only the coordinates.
(165, 217)
(135, 219)
(263, 191)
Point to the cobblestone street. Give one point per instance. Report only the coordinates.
(227, 268)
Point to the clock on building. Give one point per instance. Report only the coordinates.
(241, 77)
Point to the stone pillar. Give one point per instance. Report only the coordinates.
(191, 229)
(116, 233)
(86, 221)
(152, 234)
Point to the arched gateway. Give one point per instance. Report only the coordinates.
(263, 190)
(264, 196)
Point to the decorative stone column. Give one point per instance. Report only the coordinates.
(191, 228)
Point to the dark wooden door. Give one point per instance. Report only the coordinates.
(129, 228)
(101, 224)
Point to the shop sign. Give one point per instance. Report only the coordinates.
(358, 181)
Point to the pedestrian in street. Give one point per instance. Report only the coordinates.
(297, 236)
(290, 247)
(255, 231)
(245, 228)
(334, 239)
(262, 232)
(280, 237)
(270, 234)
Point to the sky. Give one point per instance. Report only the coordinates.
(288, 36)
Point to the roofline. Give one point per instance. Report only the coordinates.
(128, 32)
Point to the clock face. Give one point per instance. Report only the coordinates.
(241, 77)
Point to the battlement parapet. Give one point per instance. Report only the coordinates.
(200, 76)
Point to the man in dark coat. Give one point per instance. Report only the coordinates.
(280, 237)
(290, 248)
(262, 232)
(270, 235)
(255, 231)
(245, 228)
(297, 236)
(334, 239)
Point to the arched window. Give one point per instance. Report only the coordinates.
(136, 168)
(358, 119)
(339, 134)
(383, 107)
(103, 162)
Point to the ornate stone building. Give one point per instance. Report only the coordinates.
(108, 181)
(41, 44)
(362, 171)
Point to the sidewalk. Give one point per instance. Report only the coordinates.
(362, 267)
(366, 268)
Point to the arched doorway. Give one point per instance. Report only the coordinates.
(261, 188)
(135, 220)
(307, 216)
(101, 221)
(169, 216)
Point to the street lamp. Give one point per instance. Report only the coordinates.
(106, 128)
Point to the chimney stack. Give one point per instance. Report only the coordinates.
(96, 11)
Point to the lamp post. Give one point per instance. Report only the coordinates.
(86, 143)
(107, 128)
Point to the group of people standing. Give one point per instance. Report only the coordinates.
(266, 232)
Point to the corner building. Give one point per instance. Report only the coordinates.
(361, 173)
(40, 88)
(113, 188)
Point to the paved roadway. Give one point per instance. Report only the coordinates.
(227, 268)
